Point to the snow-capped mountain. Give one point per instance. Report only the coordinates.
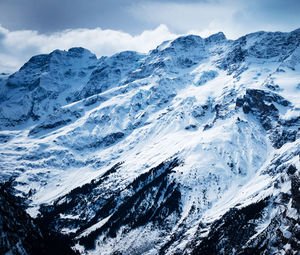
(192, 148)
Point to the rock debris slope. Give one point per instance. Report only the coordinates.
(192, 148)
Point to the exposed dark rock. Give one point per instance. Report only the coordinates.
(295, 188)
(132, 211)
(4, 138)
(73, 202)
(56, 120)
(262, 104)
(135, 211)
(231, 232)
(20, 234)
(291, 170)
(191, 127)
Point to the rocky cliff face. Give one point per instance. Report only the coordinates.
(192, 148)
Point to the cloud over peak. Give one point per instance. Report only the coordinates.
(16, 47)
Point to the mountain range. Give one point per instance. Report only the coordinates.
(192, 148)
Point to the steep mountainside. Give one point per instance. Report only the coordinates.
(192, 148)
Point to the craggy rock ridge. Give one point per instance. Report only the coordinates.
(192, 148)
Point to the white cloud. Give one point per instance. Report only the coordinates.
(16, 47)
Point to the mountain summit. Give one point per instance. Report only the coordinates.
(192, 148)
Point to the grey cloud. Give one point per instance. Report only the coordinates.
(270, 14)
(55, 15)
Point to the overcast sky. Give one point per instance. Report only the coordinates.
(29, 27)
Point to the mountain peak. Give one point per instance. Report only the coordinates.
(80, 52)
(216, 38)
(187, 41)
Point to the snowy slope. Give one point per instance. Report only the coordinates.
(190, 149)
